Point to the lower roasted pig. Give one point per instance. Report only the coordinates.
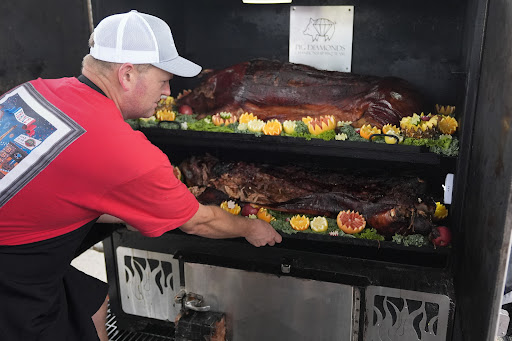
(390, 204)
(275, 90)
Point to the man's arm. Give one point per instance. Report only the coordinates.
(214, 222)
(109, 219)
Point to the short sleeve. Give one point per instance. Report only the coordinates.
(153, 203)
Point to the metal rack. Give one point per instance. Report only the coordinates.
(116, 334)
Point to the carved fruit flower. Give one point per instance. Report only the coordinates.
(307, 119)
(319, 224)
(417, 126)
(255, 126)
(247, 117)
(445, 110)
(321, 124)
(166, 102)
(299, 223)
(223, 118)
(448, 125)
(165, 115)
(350, 222)
(389, 129)
(264, 215)
(367, 130)
(231, 207)
(441, 212)
(272, 127)
(289, 126)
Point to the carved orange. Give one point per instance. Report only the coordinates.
(272, 127)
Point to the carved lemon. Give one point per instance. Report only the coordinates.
(319, 224)
(367, 130)
(289, 126)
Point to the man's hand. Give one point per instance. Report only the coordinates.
(262, 233)
(214, 222)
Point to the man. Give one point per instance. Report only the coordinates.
(68, 157)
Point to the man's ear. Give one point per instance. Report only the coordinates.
(127, 76)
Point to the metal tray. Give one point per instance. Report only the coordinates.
(177, 140)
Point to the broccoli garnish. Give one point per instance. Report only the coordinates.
(352, 134)
(148, 122)
(134, 123)
(186, 118)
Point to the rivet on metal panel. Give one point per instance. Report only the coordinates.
(286, 268)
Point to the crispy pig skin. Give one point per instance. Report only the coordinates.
(390, 203)
(285, 91)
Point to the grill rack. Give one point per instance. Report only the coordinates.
(116, 334)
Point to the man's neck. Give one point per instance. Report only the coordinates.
(107, 84)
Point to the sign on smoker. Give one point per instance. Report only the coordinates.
(321, 36)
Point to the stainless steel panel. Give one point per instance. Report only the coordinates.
(148, 282)
(267, 307)
(405, 315)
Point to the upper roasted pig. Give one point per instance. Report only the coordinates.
(275, 90)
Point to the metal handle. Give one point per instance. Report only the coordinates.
(190, 301)
(192, 306)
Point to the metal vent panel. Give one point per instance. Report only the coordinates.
(148, 283)
(403, 315)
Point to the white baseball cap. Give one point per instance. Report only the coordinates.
(139, 38)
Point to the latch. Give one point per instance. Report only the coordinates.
(190, 301)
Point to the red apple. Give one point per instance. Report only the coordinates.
(185, 110)
(249, 209)
(441, 236)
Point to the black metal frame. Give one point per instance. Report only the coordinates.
(376, 269)
(391, 38)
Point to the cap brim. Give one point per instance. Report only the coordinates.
(179, 66)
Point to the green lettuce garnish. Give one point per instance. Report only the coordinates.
(411, 240)
(370, 233)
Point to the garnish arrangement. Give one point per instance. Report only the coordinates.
(434, 131)
(348, 224)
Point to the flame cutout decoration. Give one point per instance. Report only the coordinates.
(149, 286)
(399, 319)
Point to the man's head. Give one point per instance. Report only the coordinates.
(132, 58)
(139, 38)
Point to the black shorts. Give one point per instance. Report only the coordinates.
(44, 298)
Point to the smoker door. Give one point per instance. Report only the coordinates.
(262, 306)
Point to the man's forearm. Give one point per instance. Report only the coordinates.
(213, 222)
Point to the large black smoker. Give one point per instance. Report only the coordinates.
(457, 52)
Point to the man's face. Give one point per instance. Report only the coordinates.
(149, 87)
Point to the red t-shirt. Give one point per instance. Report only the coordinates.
(99, 165)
